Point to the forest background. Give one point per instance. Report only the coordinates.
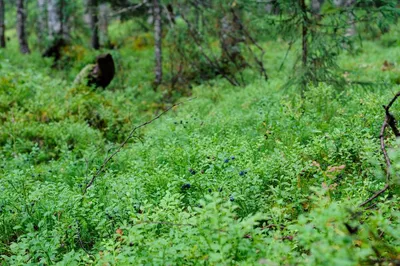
(233, 133)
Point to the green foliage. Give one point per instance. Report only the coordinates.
(237, 176)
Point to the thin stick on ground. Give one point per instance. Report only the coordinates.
(130, 136)
(391, 122)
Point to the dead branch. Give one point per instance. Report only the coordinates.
(390, 121)
(131, 134)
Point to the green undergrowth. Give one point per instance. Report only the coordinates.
(236, 176)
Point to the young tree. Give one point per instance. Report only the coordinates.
(93, 9)
(2, 25)
(21, 19)
(157, 41)
(324, 35)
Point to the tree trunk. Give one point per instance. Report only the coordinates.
(54, 19)
(2, 25)
(42, 21)
(351, 30)
(21, 19)
(316, 6)
(157, 41)
(94, 23)
(104, 12)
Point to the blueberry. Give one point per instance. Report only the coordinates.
(242, 173)
(192, 171)
(233, 158)
(226, 160)
(209, 190)
(231, 198)
(185, 186)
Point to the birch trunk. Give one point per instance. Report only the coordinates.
(54, 19)
(21, 19)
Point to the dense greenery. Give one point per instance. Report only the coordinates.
(236, 176)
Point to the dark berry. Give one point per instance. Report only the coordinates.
(185, 186)
(242, 173)
(192, 171)
(233, 158)
(209, 190)
(226, 160)
(231, 198)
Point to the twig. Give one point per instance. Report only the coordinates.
(78, 234)
(131, 134)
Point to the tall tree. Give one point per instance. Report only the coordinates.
(2, 25)
(157, 41)
(21, 19)
(93, 9)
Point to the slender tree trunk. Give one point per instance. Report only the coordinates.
(157, 41)
(42, 21)
(2, 25)
(93, 8)
(21, 19)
